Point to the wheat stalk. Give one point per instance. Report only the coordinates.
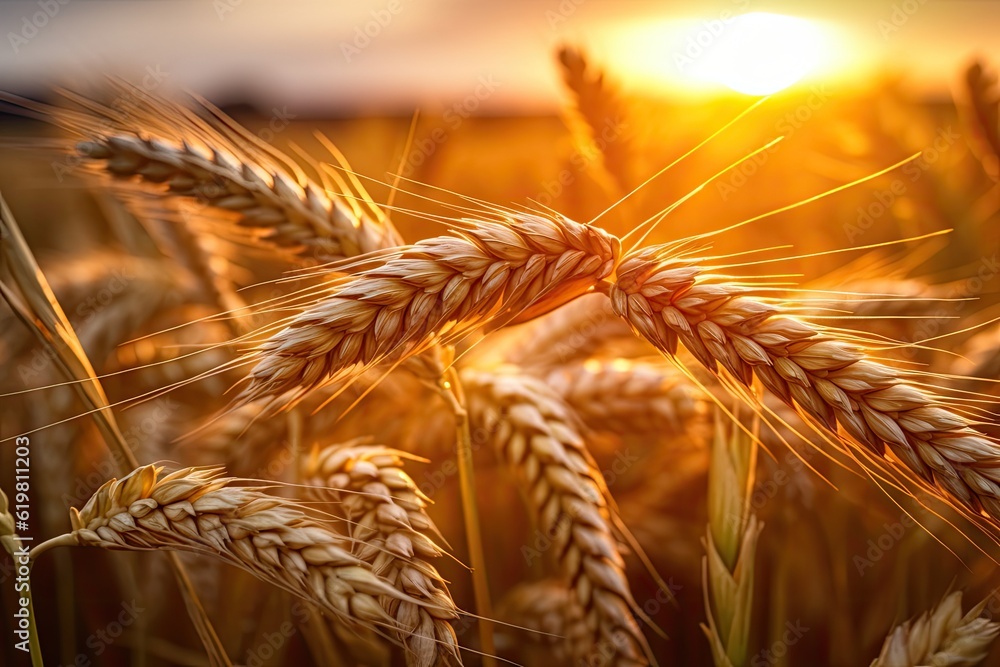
(172, 150)
(443, 287)
(198, 510)
(392, 532)
(539, 440)
(730, 545)
(668, 299)
(626, 397)
(941, 637)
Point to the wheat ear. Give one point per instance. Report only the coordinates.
(668, 299)
(31, 298)
(983, 96)
(549, 610)
(601, 108)
(444, 287)
(392, 532)
(941, 637)
(626, 397)
(539, 440)
(198, 510)
(207, 157)
(730, 545)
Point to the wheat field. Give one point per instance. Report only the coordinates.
(523, 395)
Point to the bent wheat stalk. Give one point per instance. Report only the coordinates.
(443, 287)
(538, 438)
(392, 532)
(669, 300)
(198, 510)
(942, 637)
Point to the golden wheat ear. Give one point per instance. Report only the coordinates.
(941, 636)
(200, 511)
(670, 301)
(199, 154)
(537, 437)
(393, 533)
(442, 289)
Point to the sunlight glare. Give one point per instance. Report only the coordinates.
(760, 53)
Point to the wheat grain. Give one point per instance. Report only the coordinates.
(539, 440)
(629, 397)
(392, 532)
(941, 637)
(669, 300)
(197, 510)
(444, 287)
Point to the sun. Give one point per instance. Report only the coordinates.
(759, 53)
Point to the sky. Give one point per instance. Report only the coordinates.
(391, 56)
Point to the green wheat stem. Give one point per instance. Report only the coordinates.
(730, 543)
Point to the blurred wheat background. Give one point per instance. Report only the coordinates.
(569, 121)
